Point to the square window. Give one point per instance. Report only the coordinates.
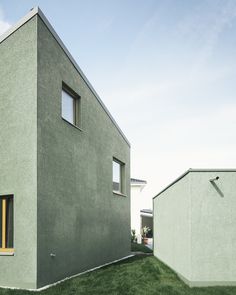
(70, 106)
(6, 224)
(118, 175)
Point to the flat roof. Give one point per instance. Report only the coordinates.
(149, 211)
(137, 181)
(193, 170)
(37, 11)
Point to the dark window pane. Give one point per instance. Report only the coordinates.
(116, 186)
(9, 223)
(0, 222)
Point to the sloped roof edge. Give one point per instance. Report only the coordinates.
(193, 170)
(37, 11)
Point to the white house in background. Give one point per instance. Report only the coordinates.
(146, 217)
(137, 196)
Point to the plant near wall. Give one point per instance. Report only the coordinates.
(133, 236)
(145, 231)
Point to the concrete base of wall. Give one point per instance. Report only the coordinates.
(199, 284)
(68, 278)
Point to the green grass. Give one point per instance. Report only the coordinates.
(140, 248)
(144, 275)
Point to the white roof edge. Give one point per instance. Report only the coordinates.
(194, 170)
(38, 11)
(146, 214)
(20, 23)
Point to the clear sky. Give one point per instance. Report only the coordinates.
(165, 69)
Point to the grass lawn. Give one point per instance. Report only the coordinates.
(140, 248)
(137, 275)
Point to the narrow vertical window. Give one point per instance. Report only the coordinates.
(70, 106)
(118, 176)
(6, 224)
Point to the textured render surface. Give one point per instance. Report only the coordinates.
(18, 154)
(171, 222)
(79, 218)
(213, 222)
(210, 211)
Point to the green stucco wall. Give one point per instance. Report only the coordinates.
(61, 177)
(172, 230)
(79, 218)
(209, 211)
(213, 223)
(18, 151)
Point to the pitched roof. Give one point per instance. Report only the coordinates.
(37, 11)
(193, 170)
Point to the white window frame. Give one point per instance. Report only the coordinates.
(121, 189)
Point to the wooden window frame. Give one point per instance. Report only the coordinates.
(3, 248)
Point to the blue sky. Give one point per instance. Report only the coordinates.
(165, 69)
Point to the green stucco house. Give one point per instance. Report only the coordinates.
(195, 226)
(64, 164)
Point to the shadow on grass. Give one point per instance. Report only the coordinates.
(140, 274)
(140, 248)
(127, 261)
